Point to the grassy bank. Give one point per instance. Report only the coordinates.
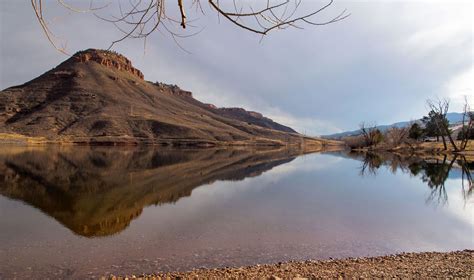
(421, 148)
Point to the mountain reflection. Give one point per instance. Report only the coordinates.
(97, 191)
(433, 170)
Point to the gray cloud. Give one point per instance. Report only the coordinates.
(378, 65)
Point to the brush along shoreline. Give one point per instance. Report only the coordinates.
(427, 265)
(301, 141)
(422, 149)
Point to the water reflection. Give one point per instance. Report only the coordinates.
(240, 212)
(432, 170)
(98, 191)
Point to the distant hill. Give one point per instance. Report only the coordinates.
(453, 118)
(97, 96)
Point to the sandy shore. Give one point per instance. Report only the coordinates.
(453, 265)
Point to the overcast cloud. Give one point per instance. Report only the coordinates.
(380, 64)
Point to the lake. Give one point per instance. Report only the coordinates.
(77, 212)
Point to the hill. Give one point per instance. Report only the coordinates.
(98, 97)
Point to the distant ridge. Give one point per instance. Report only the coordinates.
(453, 118)
(97, 96)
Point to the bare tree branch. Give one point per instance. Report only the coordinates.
(140, 18)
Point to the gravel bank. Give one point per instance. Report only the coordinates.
(453, 265)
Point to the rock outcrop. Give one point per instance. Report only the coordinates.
(173, 89)
(236, 110)
(108, 59)
(211, 106)
(252, 117)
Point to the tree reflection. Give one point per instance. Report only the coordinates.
(434, 171)
(371, 163)
(467, 181)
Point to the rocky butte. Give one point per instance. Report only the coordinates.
(98, 97)
(108, 59)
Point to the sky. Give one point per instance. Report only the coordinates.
(379, 65)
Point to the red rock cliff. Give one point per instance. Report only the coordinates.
(108, 59)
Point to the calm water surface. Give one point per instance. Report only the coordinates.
(83, 212)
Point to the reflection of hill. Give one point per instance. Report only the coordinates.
(98, 191)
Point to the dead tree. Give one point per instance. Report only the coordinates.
(441, 107)
(371, 134)
(365, 130)
(467, 117)
(140, 18)
(397, 136)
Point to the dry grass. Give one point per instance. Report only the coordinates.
(439, 145)
(20, 139)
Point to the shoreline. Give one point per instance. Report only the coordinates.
(419, 148)
(426, 265)
(296, 140)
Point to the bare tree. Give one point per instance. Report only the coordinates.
(140, 18)
(354, 142)
(396, 136)
(366, 129)
(440, 107)
(467, 124)
(371, 134)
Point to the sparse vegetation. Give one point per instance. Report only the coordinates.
(422, 134)
(439, 109)
(466, 132)
(355, 142)
(371, 134)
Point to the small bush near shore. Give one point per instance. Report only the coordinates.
(355, 142)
